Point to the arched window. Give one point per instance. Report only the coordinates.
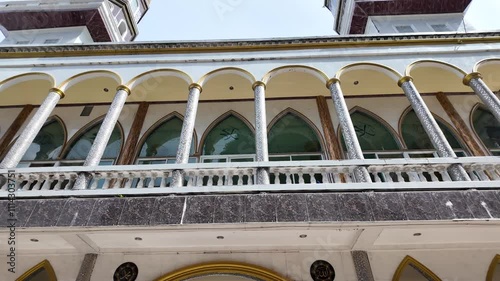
(40, 272)
(412, 270)
(80, 147)
(416, 138)
(494, 270)
(487, 128)
(292, 138)
(46, 146)
(229, 140)
(161, 144)
(374, 137)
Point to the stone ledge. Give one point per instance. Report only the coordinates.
(250, 208)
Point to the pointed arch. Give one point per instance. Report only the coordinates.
(49, 142)
(240, 134)
(486, 128)
(113, 148)
(413, 130)
(373, 132)
(308, 134)
(244, 271)
(42, 271)
(494, 269)
(417, 269)
(160, 126)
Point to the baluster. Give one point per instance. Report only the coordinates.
(210, 178)
(399, 175)
(336, 175)
(220, 175)
(251, 176)
(288, 177)
(311, 175)
(240, 177)
(277, 177)
(300, 174)
(142, 179)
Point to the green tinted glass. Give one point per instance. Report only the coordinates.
(415, 136)
(163, 141)
(48, 142)
(372, 134)
(487, 128)
(80, 148)
(230, 136)
(291, 134)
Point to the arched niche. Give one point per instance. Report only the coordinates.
(229, 83)
(230, 134)
(428, 77)
(48, 143)
(161, 142)
(40, 272)
(292, 125)
(412, 270)
(160, 85)
(97, 86)
(33, 86)
(79, 146)
(223, 271)
(373, 133)
(295, 81)
(494, 270)
(487, 128)
(416, 138)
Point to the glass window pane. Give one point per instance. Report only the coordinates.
(230, 136)
(487, 128)
(291, 134)
(415, 136)
(48, 142)
(372, 134)
(163, 141)
(80, 148)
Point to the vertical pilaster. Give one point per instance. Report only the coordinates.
(29, 133)
(459, 123)
(262, 154)
(186, 137)
(475, 81)
(102, 138)
(14, 128)
(127, 157)
(333, 149)
(351, 139)
(431, 127)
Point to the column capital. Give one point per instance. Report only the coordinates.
(471, 76)
(58, 91)
(331, 82)
(124, 88)
(258, 83)
(404, 79)
(195, 85)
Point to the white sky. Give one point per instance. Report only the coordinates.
(234, 19)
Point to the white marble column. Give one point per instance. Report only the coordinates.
(262, 154)
(475, 81)
(101, 141)
(351, 139)
(187, 132)
(29, 133)
(431, 127)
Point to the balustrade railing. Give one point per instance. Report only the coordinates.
(233, 177)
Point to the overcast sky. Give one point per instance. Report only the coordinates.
(233, 19)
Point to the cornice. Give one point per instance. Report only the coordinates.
(111, 49)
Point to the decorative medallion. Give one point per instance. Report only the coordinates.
(126, 272)
(322, 271)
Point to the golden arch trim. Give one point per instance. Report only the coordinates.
(45, 264)
(240, 269)
(409, 261)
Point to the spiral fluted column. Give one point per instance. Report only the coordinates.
(101, 141)
(475, 81)
(431, 127)
(351, 139)
(29, 133)
(186, 137)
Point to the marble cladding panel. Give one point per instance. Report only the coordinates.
(23, 20)
(256, 208)
(364, 9)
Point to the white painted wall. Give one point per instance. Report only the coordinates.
(65, 35)
(419, 23)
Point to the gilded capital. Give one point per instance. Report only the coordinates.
(258, 83)
(58, 91)
(331, 82)
(470, 76)
(197, 86)
(404, 79)
(124, 88)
